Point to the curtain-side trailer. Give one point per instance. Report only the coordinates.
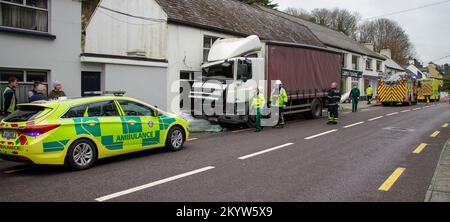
(236, 66)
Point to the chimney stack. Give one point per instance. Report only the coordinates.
(369, 45)
(386, 52)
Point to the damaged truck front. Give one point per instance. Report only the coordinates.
(236, 67)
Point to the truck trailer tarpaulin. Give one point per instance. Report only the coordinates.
(303, 68)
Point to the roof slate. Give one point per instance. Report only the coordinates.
(329, 37)
(238, 18)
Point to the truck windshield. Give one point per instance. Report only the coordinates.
(222, 72)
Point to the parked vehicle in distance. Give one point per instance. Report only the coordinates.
(429, 87)
(78, 132)
(306, 74)
(397, 88)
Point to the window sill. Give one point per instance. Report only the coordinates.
(27, 32)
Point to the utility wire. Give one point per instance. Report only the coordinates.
(408, 10)
(129, 23)
(134, 16)
(438, 59)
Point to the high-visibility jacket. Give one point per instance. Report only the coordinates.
(258, 101)
(279, 97)
(369, 91)
(8, 105)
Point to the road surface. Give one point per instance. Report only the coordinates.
(378, 154)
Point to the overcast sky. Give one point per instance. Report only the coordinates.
(428, 28)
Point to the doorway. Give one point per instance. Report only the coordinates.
(90, 84)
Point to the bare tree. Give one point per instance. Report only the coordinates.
(300, 13)
(322, 17)
(340, 20)
(267, 3)
(345, 21)
(385, 33)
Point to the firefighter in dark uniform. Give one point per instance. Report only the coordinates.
(334, 98)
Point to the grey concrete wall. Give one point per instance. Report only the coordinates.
(141, 82)
(59, 56)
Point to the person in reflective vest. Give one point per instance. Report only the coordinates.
(334, 97)
(369, 94)
(258, 104)
(279, 99)
(9, 99)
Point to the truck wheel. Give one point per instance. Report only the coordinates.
(251, 121)
(316, 109)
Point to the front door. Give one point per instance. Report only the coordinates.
(141, 128)
(90, 83)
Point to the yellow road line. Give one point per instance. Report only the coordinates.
(242, 130)
(435, 134)
(386, 186)
(16, 170)
(445, 125)
(420, 148)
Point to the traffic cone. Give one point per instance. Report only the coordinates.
(377, 103)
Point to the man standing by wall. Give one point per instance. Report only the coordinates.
(369, 94)
(9, 98)
(334, 97)
(57, 92)
(355, 94)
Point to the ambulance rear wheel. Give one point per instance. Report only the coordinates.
(82, 154)
(175, 139)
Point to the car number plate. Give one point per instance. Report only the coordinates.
(9, 134)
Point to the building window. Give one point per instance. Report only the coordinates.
(25, 14)
(369, 64)
(379, 67)
(26, 79)
(208, 41)
(355, 62)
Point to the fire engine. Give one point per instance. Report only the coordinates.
(397, 88)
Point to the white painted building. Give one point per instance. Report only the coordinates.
(40, 41)
(156, 43)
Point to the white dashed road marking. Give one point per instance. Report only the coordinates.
(373, 119)
(156, 183)
(321, 134)
(391, 114)
(352, 125)
(265, 151)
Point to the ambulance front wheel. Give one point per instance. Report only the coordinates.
(175, 139)
(82, 154)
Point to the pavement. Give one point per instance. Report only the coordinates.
(439, 190)
(346, 107)
(377, 154)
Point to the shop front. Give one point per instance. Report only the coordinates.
(350, 79)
